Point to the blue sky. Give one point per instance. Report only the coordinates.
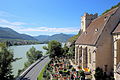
(47, 17)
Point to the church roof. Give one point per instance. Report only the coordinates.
(92, 33)
(117, 30)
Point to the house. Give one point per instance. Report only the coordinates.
(96, 46)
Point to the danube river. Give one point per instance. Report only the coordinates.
(20, 52)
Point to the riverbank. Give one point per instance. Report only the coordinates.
(13, 42)
(20, 52)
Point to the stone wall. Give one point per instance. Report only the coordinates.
(116, 55)
(86, 20)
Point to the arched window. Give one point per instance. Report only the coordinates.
(118, 52)
(89, 56)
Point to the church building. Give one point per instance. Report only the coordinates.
(99, 43)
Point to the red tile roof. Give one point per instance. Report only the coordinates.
(91, 35)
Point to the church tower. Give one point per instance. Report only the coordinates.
(86, 20)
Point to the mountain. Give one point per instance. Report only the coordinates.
(42, 38)
(7, 33)
(59, 37)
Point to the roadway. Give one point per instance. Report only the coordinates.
(34, 72)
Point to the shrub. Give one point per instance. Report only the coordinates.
(73, 69)
(61, 72)
(98, 73)
(79, 67)
(82, 73)
(70, 66)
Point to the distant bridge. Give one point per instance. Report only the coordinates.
(32, 72)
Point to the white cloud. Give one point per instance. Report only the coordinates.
(14, 25)
(47, 29)
(20, 27)
(3, 21)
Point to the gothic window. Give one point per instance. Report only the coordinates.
(86, 55)
(118, 51)
(89, 57)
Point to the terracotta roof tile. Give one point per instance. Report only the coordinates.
(90, 36)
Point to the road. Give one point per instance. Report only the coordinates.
(34, 72)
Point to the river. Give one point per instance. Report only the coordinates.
(20, 52)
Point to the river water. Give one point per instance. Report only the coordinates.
(20, 52)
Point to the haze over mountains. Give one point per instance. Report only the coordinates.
(58, 37)
(7, 33)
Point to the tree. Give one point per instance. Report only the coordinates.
(65, 49)
(54, 48)
(6, 58)
(71, 51)
(33, 55)
(75, 37)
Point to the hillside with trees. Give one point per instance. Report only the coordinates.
(58, 37)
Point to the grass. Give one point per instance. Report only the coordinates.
(40, 77)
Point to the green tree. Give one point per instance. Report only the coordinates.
(65, 49)
(32, 56)
(71, 51)
(75, 37)
(54, 48)
(6, 58)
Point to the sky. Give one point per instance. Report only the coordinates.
(48, 17)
